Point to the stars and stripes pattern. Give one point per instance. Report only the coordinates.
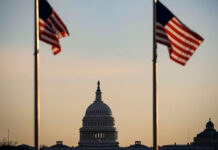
(181, 41)
(51, 27)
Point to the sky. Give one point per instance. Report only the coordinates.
(110, 41)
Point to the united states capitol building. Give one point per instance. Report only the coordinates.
(98, 128)
(98, 132)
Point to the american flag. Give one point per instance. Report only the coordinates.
(51, 27)
(181, 41)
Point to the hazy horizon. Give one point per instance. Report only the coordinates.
(110, 41)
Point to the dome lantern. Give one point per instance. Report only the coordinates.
(98, 92)
(209, 124)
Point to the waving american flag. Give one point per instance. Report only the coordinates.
(51, 27)
(182, 42)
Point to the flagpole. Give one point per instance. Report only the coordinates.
(36, 79)
(155, 98)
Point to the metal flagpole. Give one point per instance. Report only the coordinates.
(155, 98)
(8, 138)
(36, 79)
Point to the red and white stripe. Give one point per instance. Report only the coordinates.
(52, 30)
(181, 41)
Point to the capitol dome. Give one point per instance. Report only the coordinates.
(98, 125)
(98, 107)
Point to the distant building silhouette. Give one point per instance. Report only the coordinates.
(183, 147)
(208, 137)
(58, 146)
(138, 146)
(24, 147)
